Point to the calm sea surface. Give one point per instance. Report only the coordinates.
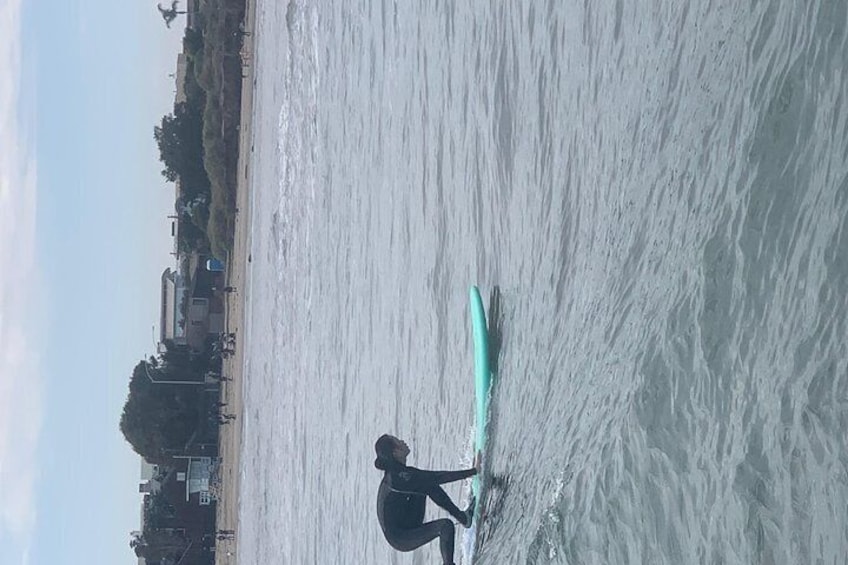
(659, 189)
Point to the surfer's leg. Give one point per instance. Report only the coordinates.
(438, 495)
(407, 540)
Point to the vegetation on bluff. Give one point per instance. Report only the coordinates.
(198, 141)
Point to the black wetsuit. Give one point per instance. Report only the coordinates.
(400, 508)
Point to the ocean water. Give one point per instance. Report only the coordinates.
(659, 190)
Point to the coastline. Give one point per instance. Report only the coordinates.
(227, 513)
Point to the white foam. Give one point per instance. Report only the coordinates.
(468, 538)
(469, 535)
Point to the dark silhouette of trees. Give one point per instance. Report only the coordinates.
(180, 141)
(170, 14)
(159, 418)
(158, 545)
(191, 237)
(193, 42)
(157, 511)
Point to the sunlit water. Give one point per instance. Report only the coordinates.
(659, 189)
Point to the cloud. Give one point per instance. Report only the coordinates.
(20, 383)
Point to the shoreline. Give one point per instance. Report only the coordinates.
(229, 438)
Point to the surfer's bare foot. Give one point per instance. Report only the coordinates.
(469, 513)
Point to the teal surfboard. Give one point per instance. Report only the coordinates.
(482, 386)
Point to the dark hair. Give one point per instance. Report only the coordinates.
(385, 447)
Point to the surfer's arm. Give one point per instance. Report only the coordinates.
(412, 480)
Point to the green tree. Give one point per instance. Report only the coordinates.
(158, 545)
(180, 141)
(181, 362)
(157, 511)
(159, 418)
(192, 42)
(190, 237)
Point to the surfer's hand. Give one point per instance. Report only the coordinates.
(478, 462)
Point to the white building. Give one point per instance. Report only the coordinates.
(198, 478)
(171, 319)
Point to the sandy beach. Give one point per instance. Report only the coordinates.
(231, 393)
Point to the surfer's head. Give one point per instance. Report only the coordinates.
(390, 450)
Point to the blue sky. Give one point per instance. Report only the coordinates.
(83, 241)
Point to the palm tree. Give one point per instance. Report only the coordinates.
(170, 14)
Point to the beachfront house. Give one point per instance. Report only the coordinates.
(197, 477)
(192, 304)
(205, 304)
(185, 485)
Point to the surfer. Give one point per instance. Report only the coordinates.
(403, 493)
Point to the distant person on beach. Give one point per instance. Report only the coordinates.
(403, 494)
(217, 376)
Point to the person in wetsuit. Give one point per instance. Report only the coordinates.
(403, 494)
